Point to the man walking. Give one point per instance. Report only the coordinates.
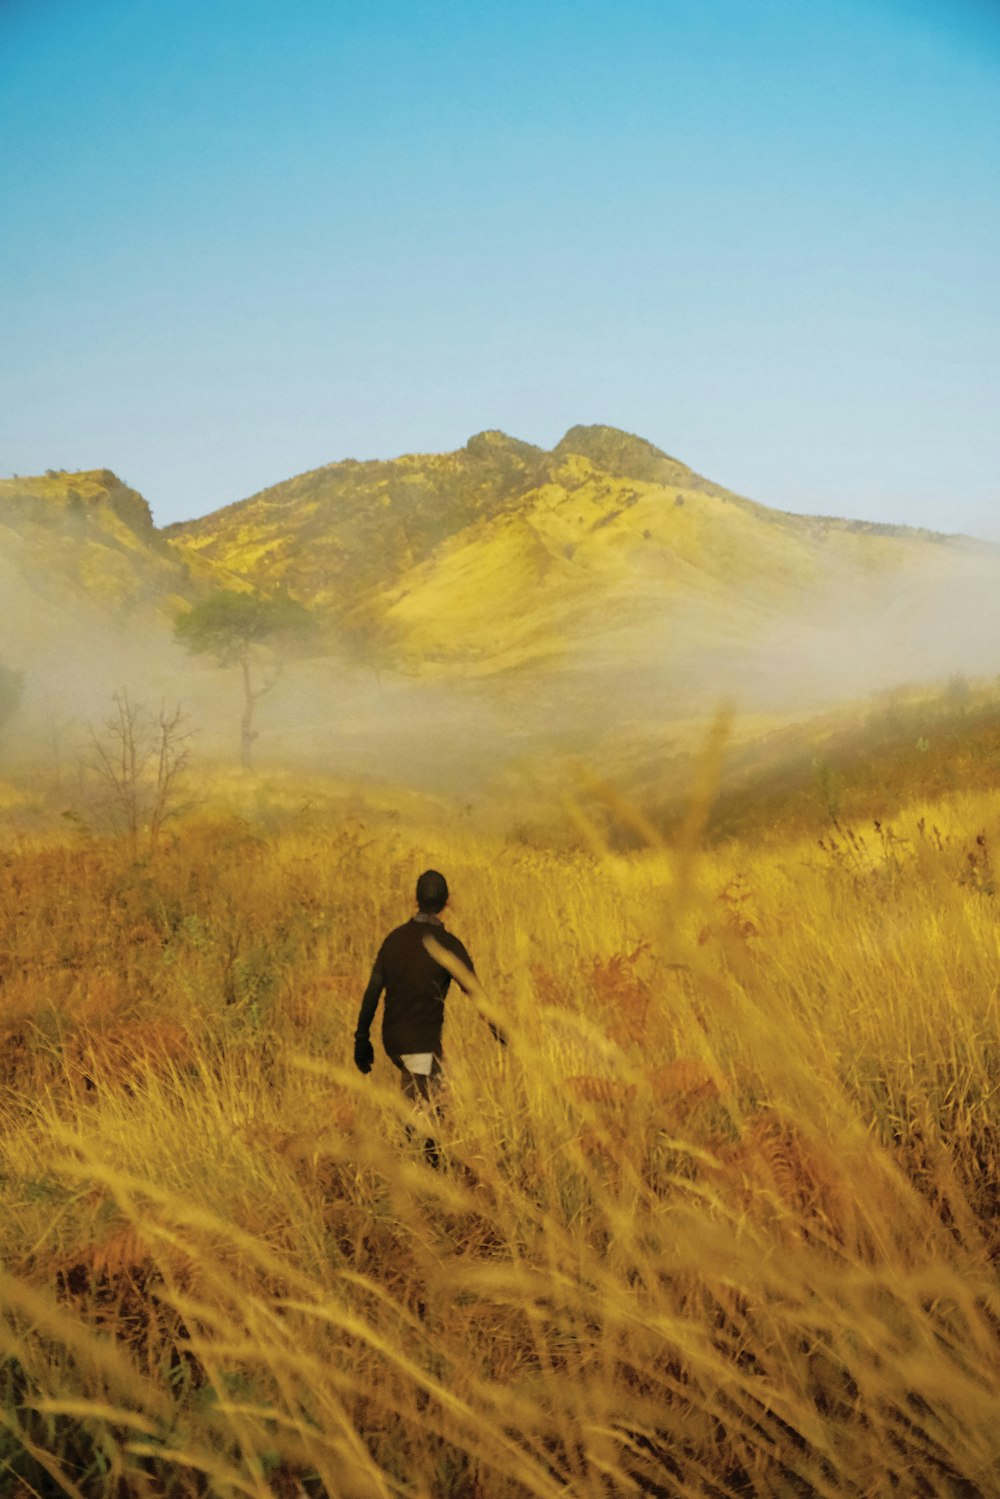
(415, 986)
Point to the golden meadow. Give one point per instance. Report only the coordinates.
(720, 1220)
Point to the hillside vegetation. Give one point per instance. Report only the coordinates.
(855, 764)
(603, 553)
(85, 538)
(588, 599)
(721, 1220)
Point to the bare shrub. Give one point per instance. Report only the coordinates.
(135, 764)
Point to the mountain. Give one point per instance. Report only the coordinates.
(602, 554)
(501, 599)
(333, 537)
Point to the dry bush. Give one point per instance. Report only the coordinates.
(772, 1168)
(125, 1054)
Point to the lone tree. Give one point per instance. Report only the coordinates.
(249, 631)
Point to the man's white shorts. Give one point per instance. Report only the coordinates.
(418, 1062)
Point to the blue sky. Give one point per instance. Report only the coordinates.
(242, 239)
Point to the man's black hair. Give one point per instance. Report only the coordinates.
(432, 892)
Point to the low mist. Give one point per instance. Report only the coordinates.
(633, 686)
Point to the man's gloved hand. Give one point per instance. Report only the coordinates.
(364, 1054)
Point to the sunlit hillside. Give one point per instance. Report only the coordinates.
(486, 610)
(854, 763)
(604, 559)
(73, 540)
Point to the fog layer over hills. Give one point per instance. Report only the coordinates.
(484, 606)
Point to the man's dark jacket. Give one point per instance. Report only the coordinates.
(415, 987)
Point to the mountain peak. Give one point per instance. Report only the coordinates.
(87, 492)
(622, 454)
(492, 443)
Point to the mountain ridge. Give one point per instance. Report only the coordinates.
(501, 554)
(621, 454)
(94, 535)
(602, 561)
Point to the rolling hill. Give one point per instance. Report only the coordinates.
(603, 555)
(501, 599)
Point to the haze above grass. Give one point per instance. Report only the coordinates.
(485, 610)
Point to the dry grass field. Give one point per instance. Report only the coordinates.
(721, 1219)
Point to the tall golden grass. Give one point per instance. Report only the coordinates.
(719, 1221)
